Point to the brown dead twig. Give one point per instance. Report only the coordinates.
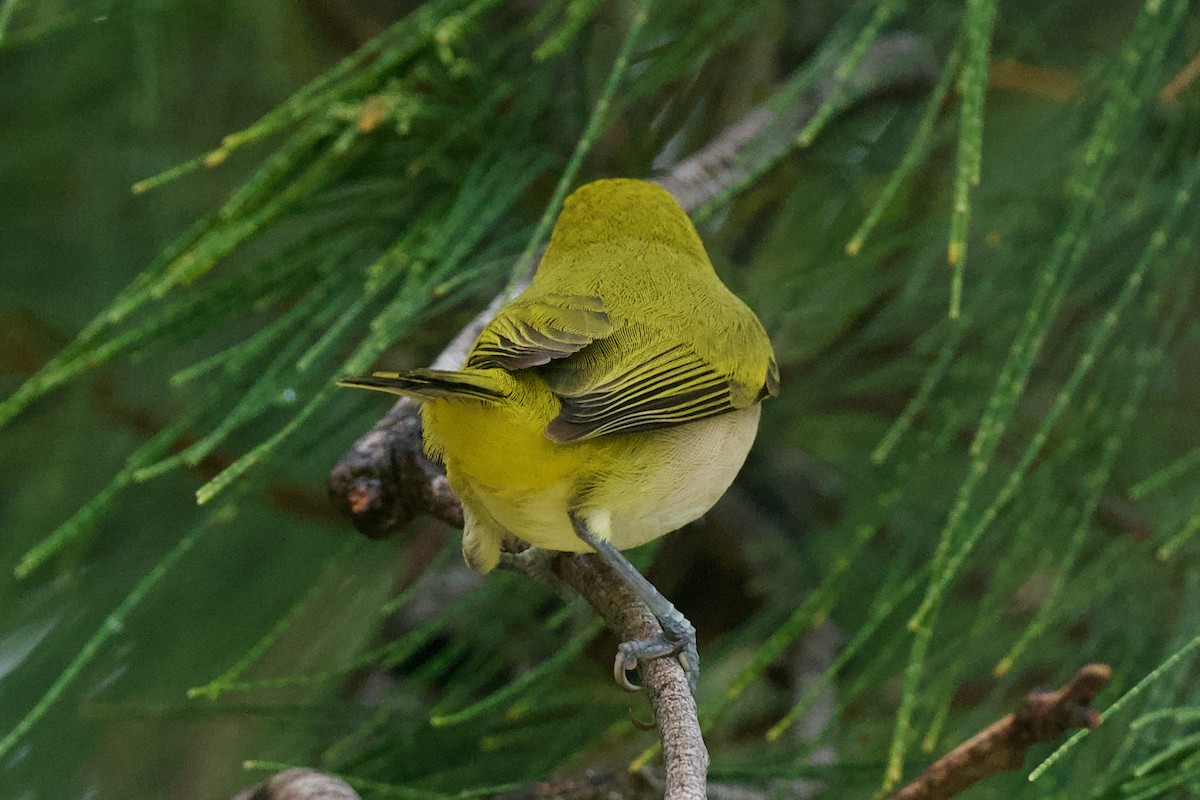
(1182, 79)
(385, 480)
(1042, 717)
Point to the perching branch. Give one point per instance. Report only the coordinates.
(385, 480)
(1042, 717)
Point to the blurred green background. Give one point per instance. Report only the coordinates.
(1091, 555)
(95, 99)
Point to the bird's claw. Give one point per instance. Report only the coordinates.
(625, 663)
(631, 654)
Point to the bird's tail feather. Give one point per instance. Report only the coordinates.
(480, 384)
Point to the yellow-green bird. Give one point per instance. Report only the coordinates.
(613, 401)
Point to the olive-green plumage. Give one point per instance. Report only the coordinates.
(621, 387)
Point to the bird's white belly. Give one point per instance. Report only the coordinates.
(697, 463)
(672, 478)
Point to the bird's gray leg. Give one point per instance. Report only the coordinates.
(678, 637)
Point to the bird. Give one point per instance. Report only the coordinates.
(611, 402)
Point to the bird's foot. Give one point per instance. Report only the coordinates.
(678, 638)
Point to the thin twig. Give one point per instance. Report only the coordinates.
(1181, 80)
(1042, 717)
(385, 480)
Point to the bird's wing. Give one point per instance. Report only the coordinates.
(534, 332)
(633, 382)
